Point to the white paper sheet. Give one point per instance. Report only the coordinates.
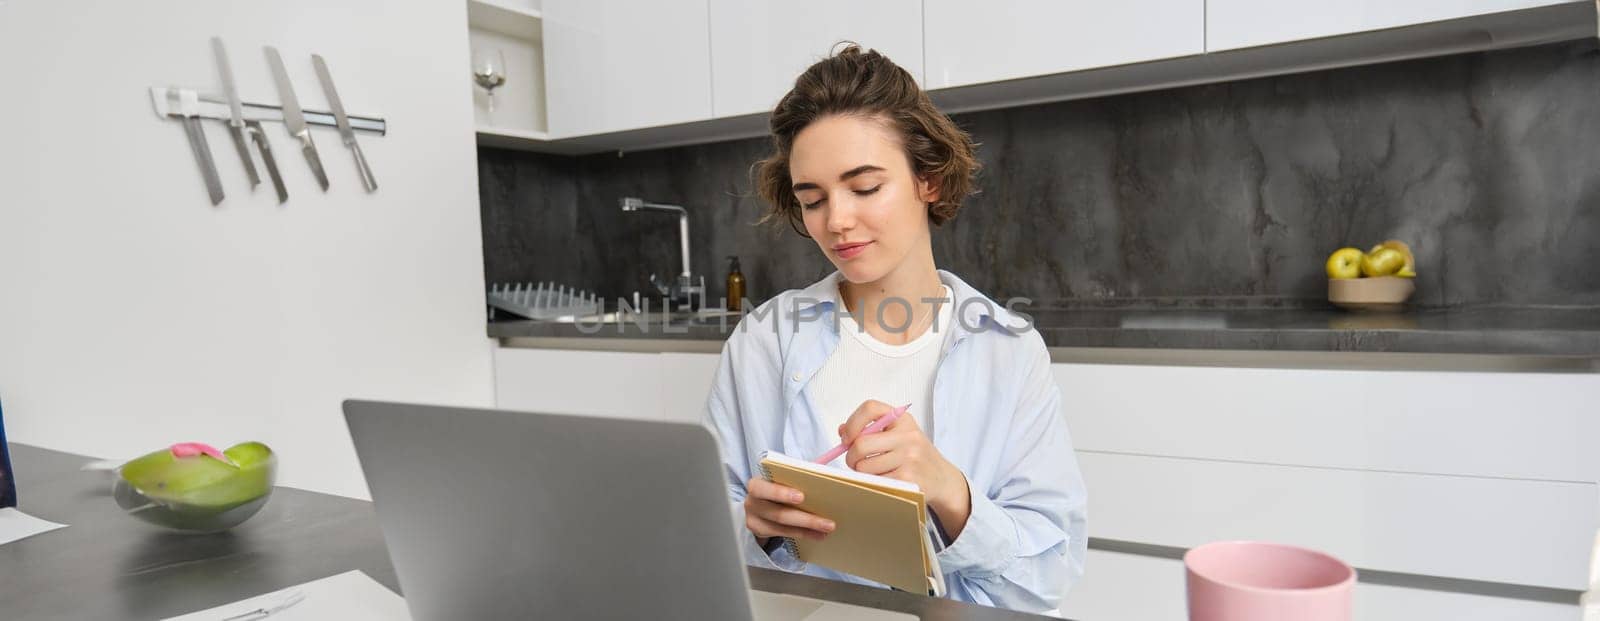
(16, 525)
(350, 596)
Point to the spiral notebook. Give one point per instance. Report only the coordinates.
(882, 532)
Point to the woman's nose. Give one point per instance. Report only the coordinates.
(841, 214)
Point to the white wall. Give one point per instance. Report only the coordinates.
(134, 314)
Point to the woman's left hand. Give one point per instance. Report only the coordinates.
(903, 452)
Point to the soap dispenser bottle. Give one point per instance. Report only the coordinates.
(735, 284)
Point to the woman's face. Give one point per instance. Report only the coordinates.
(858, 196)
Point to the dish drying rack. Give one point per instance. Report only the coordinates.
(543, 300)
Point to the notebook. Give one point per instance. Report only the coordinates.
(881, 533)
(8, 485)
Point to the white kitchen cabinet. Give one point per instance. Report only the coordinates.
(652, 386)
(1127, 587)
(1233, 24)
(685, 385)
(1466, 475)
(972, 43)
(758, 47)
(1508, 531)
(595, 383)
(1427, 422)
(615, 66)
(638, 74)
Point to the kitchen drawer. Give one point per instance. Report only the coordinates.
(1132, 587)
(1517, 425)
(1499, 530)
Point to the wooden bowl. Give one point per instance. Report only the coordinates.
(1383, 293)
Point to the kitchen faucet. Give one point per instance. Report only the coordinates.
(685, 287)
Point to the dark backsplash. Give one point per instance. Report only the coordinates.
(1230, 193)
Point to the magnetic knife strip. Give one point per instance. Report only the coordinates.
(215, 107)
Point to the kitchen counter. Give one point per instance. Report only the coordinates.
(1549, 332)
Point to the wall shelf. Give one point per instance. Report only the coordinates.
(505, 17)
(504, 138)
(516, 28)
(711, 130)
(519, 134)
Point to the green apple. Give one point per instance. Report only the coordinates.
(1384, 261)
(173, 479)
(248, 454)
(1409, 269)
(1344, 263)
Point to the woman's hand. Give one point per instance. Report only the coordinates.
(769, 511)
(903, 452)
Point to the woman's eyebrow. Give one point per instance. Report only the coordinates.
(862, 169)
(845, 176)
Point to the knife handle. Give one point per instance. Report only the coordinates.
(260, 137)
(310, 150)
(244, 154)
(202, 156)
(361, 163)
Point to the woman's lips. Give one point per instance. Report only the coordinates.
(848, 251)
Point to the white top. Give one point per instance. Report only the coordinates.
(863, 368)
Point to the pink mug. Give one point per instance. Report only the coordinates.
(1260, 581)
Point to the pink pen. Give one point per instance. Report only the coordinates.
(872, 427)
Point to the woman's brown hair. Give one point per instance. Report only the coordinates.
(868, 84)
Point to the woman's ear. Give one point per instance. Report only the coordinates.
(928, 190)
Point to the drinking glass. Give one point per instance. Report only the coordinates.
(489, 70)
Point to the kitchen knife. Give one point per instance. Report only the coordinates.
(293, 118)
(260, 137)
(236, 110)
(345, 132)
(184, 104)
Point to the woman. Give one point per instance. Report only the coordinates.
(866, 165)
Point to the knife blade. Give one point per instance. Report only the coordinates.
(182, 105)
(293, 118)
(260, 137)
(236, 110)
(345, 132)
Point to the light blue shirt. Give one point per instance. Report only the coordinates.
(996, 416)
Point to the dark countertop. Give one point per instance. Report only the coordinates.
(106, 565)
(1522, 331)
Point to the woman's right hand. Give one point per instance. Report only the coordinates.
(769, 511)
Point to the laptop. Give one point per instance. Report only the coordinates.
(493, 514)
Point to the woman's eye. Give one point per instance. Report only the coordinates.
(805, 205)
